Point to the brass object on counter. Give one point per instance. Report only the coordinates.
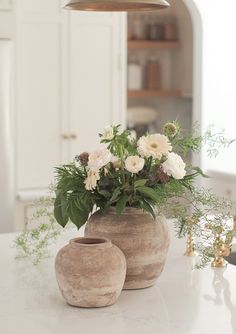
(117, 5)
(222, 250)
(190, 251)
(222, 247)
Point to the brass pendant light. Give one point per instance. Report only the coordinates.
(117, 5)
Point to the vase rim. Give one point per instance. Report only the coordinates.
(127, 210)
(90, 242)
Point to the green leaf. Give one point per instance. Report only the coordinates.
(115, 194)
(77, 215)
(200, 172)
(121, 204)
(140, 183)
(149, 192)
(60, 210)
(147, 207)
(105, 193)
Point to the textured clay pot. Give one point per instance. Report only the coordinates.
(143, 240)
(90, 272)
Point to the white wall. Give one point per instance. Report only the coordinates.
(218, 76)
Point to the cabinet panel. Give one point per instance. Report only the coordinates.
(38, 104)
(39, 6)
(96, 90)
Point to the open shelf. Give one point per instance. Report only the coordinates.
(154, 93)
(145, 44)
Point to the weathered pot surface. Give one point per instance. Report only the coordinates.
(143, 240)
(90, 272)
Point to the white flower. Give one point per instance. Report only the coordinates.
(108, 133)
(132, 136)
(91, 180)
(99, 158)
(134, 164)
(154, 146)
(174, 166)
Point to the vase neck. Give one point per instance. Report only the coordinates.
(90, 242)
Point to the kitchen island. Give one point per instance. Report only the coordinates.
(183, 301)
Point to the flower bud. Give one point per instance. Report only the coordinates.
(83, 159)
(170, 130)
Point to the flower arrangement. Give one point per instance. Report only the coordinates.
(124, 171)
(151, 173)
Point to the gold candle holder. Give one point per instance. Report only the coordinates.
(222, 250)
(222, 247)
(190, 249)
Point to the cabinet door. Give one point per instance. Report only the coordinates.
(38, 93)
(97, 76)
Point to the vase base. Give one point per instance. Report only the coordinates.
(91, 306)
(138, 285)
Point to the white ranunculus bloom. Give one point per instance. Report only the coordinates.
(99, 158)
(108, 133)
(154, 146)
(91, 180)
(174, 166)
(134, 164)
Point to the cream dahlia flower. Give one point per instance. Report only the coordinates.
(154, 146)
(91, 180)
(108, 133)
(174, 166)
(134, 164)
(99, 158)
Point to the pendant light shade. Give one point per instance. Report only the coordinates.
(117, 5)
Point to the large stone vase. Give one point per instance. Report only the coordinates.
(143, 240)
(90, 272)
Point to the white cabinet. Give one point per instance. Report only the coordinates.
(96, 89)
(70, 79)
(70, 83)
(38, 100)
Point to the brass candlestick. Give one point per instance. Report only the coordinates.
(190, 250)
(222, 250)
(222, 247)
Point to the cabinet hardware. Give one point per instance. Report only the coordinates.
(73, 136)
(65, 136)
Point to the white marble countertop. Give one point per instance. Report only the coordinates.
(184, 301)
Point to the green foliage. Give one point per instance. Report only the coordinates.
(34, 242)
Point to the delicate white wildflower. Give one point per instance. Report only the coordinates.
(154, 146)
(132, 136)
(134, 164)
(108, 133)
(174, 166)
(99, 158)
(91, 180)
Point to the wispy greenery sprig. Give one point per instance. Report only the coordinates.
(192, 141)
(215, 141)
(41, 231)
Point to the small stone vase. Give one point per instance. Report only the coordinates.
(143, 240)
(90, 272)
